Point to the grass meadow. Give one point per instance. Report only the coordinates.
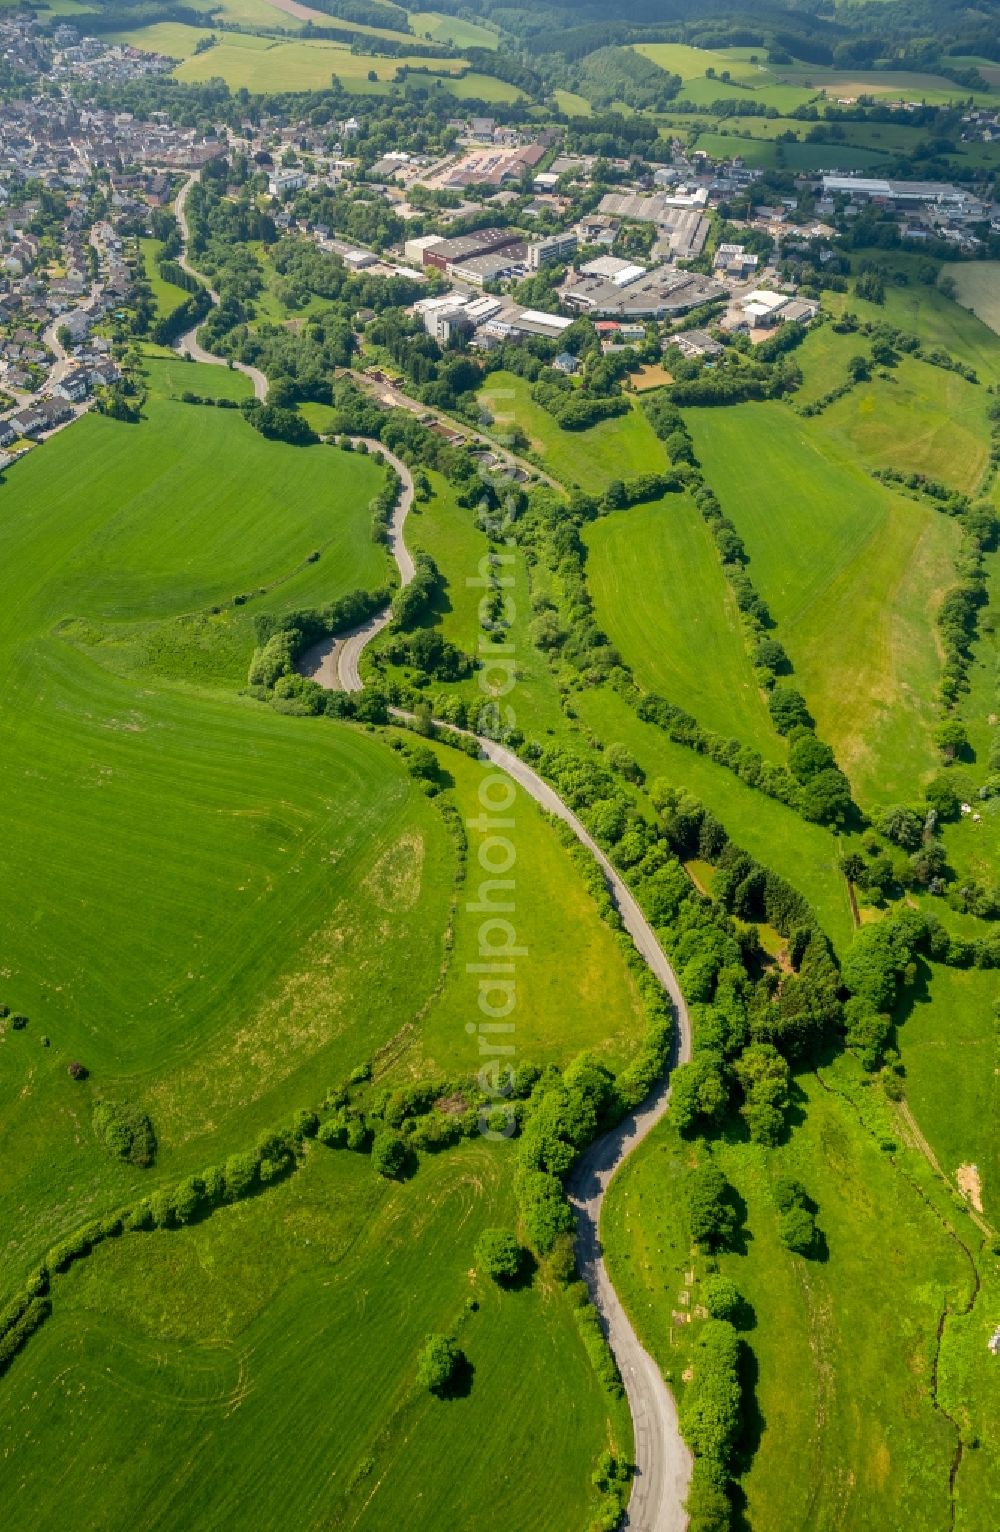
(842, 1348)
(928, 313)
(612, 449)
(978, 284)
(166, 295)
(574, 990)
(258, 1369)
(850, 573)
(803, 853)
(664, 602)
(221, 910)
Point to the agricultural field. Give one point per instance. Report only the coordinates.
(612, 449)
(842, 1346)
(850, 572)
(574, 991)
(919, 419)
(453, 29)
(166, 295)
(261, 64)
(978, 285)
(477, 87)
(664, 602)
(284, 1310)
(804, 854)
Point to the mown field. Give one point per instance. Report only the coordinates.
(613, 449)
(220, 910)
(258, 1369)
(841, 1427)
(851, 573)
(978, 285)
(663, 600)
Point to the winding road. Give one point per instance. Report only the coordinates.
(187, 344)
(662, 1460)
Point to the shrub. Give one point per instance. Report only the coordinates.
(499, 1255)
(711, 1215)
(438, 1363)
(723, 1299)
(388, 1155)
(77, 1071)
(126, 1133)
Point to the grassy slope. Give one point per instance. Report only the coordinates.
(613, 449)
(804, 854)
(843, 1347)
(166, 295)
(273, 1350)
(211, 836)
(926, 312)
(664, 602)
(572, 988)
(920, 419)
(850, 573)
(978, 286)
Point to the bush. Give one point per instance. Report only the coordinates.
(711, 1214)
(125, 1132)
(77, 1071)
(438, 1364)
(388, 1155)
(723, 1299)
(499, 1255)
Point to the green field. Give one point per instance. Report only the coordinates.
(258, 1369)
(850, 573)
(573, 990)
(804, 854)
(978, 286)
(763, 153)
(843, 1430)
(613, 449)
(166, 295)
(919, 419)
(947, 1039)
(664, 602)
(453, 29)
(478, 87)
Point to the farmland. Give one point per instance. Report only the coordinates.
(817, 528)
(661, 596)
(237, 1331)
(979, 290)
(612, 449)
(843, 1347)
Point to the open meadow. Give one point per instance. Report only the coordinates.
(850, 572)
(612, 449)
(842, 1347)
(978, 284)
(258, 1369)
(661, 597)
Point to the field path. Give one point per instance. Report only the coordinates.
(187, 344)
(663, 1462)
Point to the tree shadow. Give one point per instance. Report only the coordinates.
(523, 1277)
(459, 1385)
(752, 1423)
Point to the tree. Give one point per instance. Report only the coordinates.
(858, 369)
(902, 825)
(698, 1093)
(764, 1077)
(788, 709)
(499, 1255)
(797, 1231)
(942, 797)
(711, 1214)
(723, 1299)
(388, 1155)
(438, 1363)
(951, 739)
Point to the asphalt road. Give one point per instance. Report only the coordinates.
(187, 344)
(335, 662)
(663, 1462)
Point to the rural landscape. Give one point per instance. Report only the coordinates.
(500, 622)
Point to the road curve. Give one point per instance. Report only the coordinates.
(662, 1460)
(187, 344)
(335, 662)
